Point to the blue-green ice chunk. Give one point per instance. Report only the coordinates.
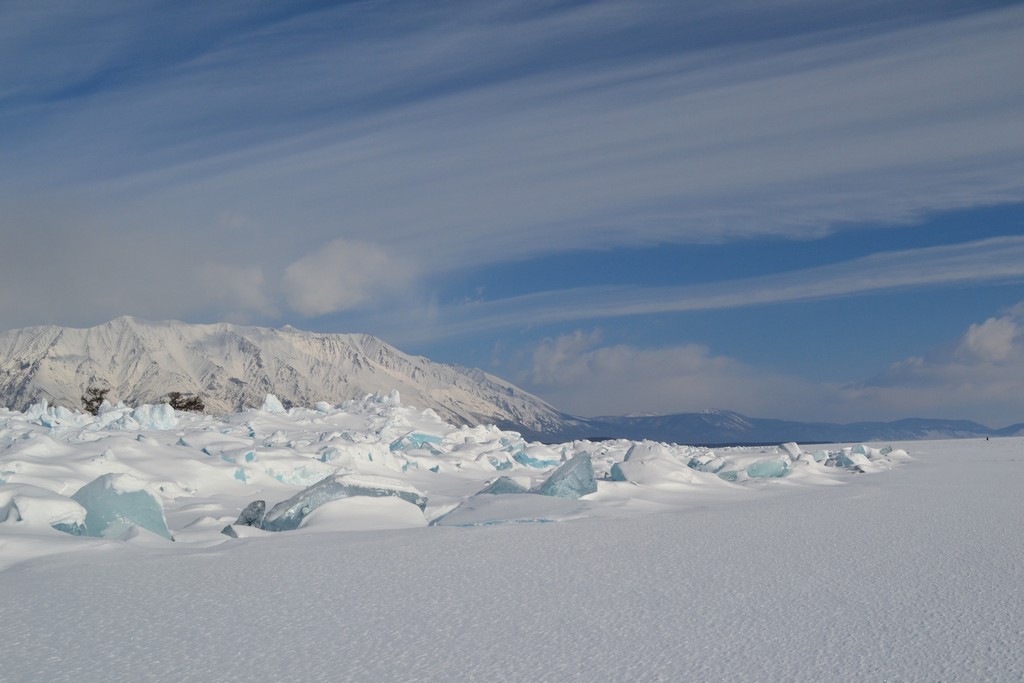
(74, 529)
(774, 467)
(114, 503)
(289, 514)
(417, 440)
(573, 479)
(523, 459)
(707, 462)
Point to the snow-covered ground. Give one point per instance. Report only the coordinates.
(789, 563)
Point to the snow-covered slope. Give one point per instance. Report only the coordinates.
(233, 367)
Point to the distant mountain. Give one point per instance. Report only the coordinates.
(717, 427)
(1012, 430)
(233, 367)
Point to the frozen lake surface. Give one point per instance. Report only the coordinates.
(911, 571)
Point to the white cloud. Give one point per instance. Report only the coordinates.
(992, 341)
(578, 375)
(978, 376)
(344, 275)
(240, 290)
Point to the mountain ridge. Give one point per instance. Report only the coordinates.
(232, 367)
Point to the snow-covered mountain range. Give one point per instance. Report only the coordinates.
(232, 367)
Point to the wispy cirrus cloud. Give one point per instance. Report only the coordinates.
(475, 133)
(982, 262)
(793, 136)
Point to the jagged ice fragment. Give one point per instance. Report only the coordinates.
(289, 514)
(573, 479)
(253, 514)
(114, 503)
(773, 467)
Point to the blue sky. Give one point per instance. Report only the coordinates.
(803, 210)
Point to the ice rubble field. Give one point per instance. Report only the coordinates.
(373, 541)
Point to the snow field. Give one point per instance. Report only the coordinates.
(909, 572)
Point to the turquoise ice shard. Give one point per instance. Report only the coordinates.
(522, 458)
(851, 458)
(74, 529)
(414, 440)
(114, 503)
(505, 485)
(289, 514)
(774, 467)
(573, 479)
(706, 462)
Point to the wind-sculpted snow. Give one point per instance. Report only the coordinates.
(31, 506)
(191, 476)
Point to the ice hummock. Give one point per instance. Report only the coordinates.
(363, 513)
(155, 417)
(504, 509)
(506, 501)
(654, 464)
(288, 514)
(575, 478)
(193, 463)
(33, 506)
(114, 503)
